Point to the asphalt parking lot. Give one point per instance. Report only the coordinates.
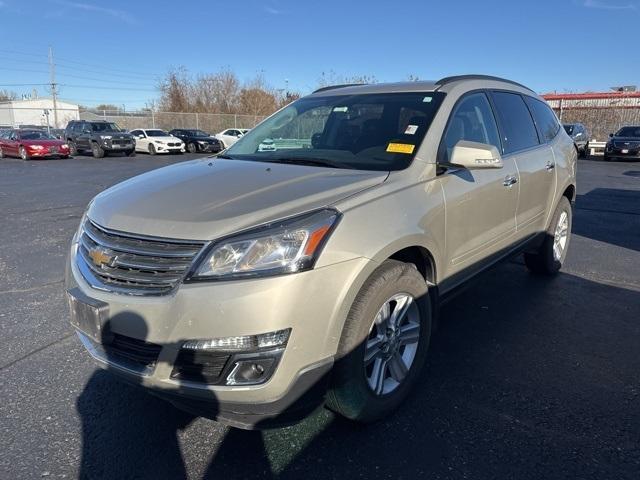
(527, 377)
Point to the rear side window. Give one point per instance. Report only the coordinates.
(517, 125)
(471, 120)
(546, 120)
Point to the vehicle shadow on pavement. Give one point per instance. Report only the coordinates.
(594, 219)
(526, 378)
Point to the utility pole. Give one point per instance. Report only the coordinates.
(54, 93)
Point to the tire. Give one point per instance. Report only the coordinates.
(152, 149)
(551, 255)
(351, 394)
(192, 147)
(131, 153)
(585, 152)
(222, 146)
(64, 157)
(73, 149)
(606, 158)
(97, 150)
(1, 153)
(22, 152)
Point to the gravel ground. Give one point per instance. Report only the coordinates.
(527, 377)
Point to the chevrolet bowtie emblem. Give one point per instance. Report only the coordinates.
(101, 257)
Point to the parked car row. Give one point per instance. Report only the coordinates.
(100, 138)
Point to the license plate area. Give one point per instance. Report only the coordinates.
(624, 150)
(88, 315)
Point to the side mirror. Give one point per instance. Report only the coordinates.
(578, 134)
(140, 136)
(611, 135)
(86, 130)
(474, 155)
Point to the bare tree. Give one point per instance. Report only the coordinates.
(7, 95)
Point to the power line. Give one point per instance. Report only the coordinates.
(93, 65)
(104, 87)
(133, 76)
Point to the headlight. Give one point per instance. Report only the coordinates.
(105, 137)
(36, 147)
(159, 142)
(64, 145)
(288, 246)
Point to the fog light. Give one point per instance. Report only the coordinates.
(251, 371)
(245, 342)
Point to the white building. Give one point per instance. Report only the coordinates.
(14, 113)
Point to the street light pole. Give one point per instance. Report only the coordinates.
(54, 93)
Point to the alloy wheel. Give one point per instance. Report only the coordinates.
(561, 236)
(392, 344)
(23, 153)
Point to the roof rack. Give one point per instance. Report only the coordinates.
(332, 87)
(455, 78)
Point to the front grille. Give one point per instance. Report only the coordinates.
(199, 366)
(133, 265)
(173, 144)
(127, 350)
(631, 145)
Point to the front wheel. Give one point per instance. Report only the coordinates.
(152, 149)
(24, 155)
(131, 153)
(192, 148)
(384, 344)
(552, 253)
(73, 148)
(1, 153)
(97, 150)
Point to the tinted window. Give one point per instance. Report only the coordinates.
(628, 132)
(516, 122)
(471, 120)
(546, 120)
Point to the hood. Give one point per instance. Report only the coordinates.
(209, 198)
(625, 139)
(44, 143)
(168, 138)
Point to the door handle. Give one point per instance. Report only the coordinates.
(509, 180)
(550, 166)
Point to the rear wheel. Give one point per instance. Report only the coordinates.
(97, 150)
(552, 253)
(384, 344)
(1, 153)
(24, 155)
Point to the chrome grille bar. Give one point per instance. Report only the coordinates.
(134, 265)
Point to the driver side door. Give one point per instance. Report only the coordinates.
(480, 204)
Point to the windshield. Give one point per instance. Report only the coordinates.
(156, 133)
(568, 129)
(36, 135)
(105, 127)
(197, 133)
(628, 132)
(363, 132)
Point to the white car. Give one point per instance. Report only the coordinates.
(154, 140)
(230, 136)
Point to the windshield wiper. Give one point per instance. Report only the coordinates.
(226, 157)
(317, 162)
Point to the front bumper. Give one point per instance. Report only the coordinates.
(47, 152)
(313, 304)
(117, 146)
(210, 147)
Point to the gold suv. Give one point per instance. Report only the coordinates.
(254, 286)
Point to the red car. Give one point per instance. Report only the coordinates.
(28, 144)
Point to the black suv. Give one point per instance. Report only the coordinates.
(580, 136)
(197, 140)
(625, 143)
(98, 136)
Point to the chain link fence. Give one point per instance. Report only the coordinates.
(209, 122)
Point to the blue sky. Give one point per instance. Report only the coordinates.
(115, 51)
